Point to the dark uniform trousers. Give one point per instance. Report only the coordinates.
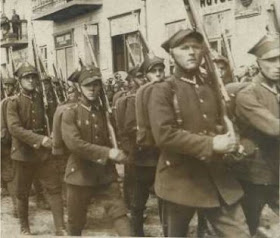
(255, 198)
(46, 173)
(79, 197)
(227, 221)
(143, 180)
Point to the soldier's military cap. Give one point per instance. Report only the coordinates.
(9, 80)
(89, 74)
(149, 62)
(74, 76)
(179, 36)
(25, 69)
(267, 47)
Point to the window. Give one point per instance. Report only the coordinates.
(64, 53)
(44, 55)
(128, 51)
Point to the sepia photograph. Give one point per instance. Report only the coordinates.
(140, 118)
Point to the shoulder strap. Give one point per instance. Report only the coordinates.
(175, 103)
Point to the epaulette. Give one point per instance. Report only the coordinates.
(130, 95)
(71, 106)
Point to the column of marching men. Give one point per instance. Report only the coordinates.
(171, 141)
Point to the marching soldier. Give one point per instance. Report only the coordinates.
(141, 171)
(9, 85)
(31, 149)
(120, 99)
(7, 168)
(90, 170)
(258, 111)
(190, 174)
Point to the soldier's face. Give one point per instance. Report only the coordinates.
(271, 68)
(28, 82)
(9, 88)
(139, 78)
(222, 68)
(156, 73)
(188, 55)
(91, 91)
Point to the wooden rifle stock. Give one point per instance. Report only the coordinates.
(60, 82)
(45, 100)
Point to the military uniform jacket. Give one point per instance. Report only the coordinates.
(85, 134)
(258, 109)
(26, 124)
(183, 176)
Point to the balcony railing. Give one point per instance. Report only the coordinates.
(42, 5)
(58, 10)
(12, 36)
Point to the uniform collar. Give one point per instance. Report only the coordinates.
(27, 95)
(264, 82)
(191, 78)
(90, 107)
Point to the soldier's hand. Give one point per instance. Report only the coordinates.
(47, 142)
(225, 143)
(118, 156)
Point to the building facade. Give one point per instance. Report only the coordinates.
(67, 30)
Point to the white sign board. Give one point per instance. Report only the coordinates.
(211, 6)
(124, 24)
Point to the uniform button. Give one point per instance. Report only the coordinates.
(99, 161)
(33, 111)
(33, 120)
(202, 158)
(96, 137)
(14, 148)
(35, 145)
(204, 116)
(72, 169)
(196, 86)
(201, 100)
(87, 122)
(167, 162)
(95, 126)
(204, 132)
(93, 115)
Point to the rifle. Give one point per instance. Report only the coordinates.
(196, 23)
(3, 92)
(60, 82)
(103, 96)
(45, 100)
